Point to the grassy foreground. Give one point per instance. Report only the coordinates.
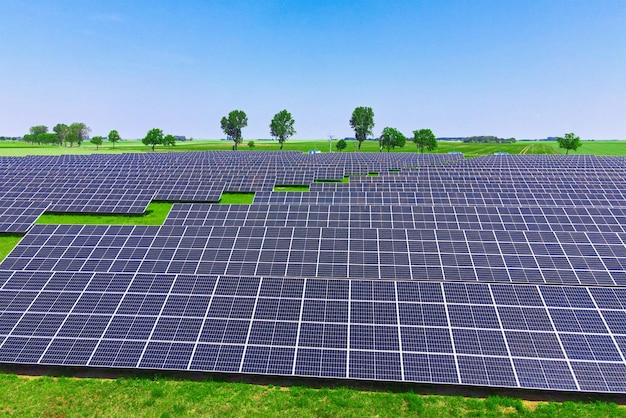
(63, 396)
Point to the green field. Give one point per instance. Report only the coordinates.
(155, 215)
(13, 148)
(167, 397)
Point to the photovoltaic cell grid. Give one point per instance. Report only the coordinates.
(199, 292)
(17, 216)
(541, 337)
(412, 217)
(548, 257)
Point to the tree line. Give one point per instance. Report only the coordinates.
(62, 134)
(362, 121)
(281, 128)
(489, 139)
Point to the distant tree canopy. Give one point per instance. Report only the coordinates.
(39, 129)
(362, 121)
(424, 139)
(341, 145)
(61, 130)
(97, 141)
(114, 137)
(169, 140)
(77, 132)
(391, 138)
(569, 142)
(82, 131)
(233, 124)
(281, 126)
(156, 137)
(489, 139)
(153, 138)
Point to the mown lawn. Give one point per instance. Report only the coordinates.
(65, 396)
(155, 214)
(7, 243)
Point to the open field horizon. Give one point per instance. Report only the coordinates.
(608, 148)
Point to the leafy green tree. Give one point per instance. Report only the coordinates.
(391, 138)
(362, 121)
(29, 138)
(81, 132)
(97, 141)
(71, 137)
(48, 138)
(61, 130)
(153, 137)
(233, 124)
(570, 142)
(169, 140)
(424, 139)
(36, 131)
(251, 144)
(114, 137)
(341, 145)
(281, 126)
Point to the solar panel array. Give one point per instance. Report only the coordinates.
(492, 271)
(17, 216)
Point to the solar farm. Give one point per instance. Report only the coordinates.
(496, 271)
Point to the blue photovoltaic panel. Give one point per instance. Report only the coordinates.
(491, 271)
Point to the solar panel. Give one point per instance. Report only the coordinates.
(491, 271)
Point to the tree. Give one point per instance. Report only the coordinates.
(391, 138)
(250, 144)
(61, 131)
(36, 132)
(29, 138)
(114, 137)
(570, 142)
(169, 140)
(341, 145)
(233, 124)
(153, 137)
(362, 121)
(48, 138)
(71, 136)
(425, 139)
(97, 141)
(281, 127)
(80, 132)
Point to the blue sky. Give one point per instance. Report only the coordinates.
(524, 69)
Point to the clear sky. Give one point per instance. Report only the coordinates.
(524, 69)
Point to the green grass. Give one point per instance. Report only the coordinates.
(237, 198)
(597, 148)
(155, 215)
(7, 243)
(10, 148)
(291, 188)
(345, 179)
(372, 174)
(64, 396)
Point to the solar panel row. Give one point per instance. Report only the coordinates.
(498, 272)
(567, 338)
(371, 253)
(555, 219)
